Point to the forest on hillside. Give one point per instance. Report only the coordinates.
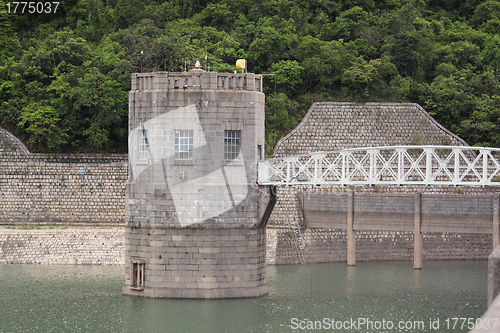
(65, 76)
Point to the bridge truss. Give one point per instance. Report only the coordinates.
(390, 165)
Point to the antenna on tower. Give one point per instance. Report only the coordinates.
(206, 57)
(142, 54)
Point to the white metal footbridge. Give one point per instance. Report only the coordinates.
(390, 165)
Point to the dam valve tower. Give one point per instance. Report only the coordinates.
(195, 217)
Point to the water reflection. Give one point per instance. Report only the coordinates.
(417, 278)
(88, 298)
(351, 271)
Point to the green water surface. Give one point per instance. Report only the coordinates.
(38, 298)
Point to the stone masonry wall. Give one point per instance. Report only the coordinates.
(332, 126)
(330, 245)
(43, 188)
(222, 263)
(53, 207)
(62, 245)
(10, 145)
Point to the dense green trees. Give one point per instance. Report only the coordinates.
(9, 43)
(64, 77)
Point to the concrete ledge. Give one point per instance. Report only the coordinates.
(494, 277)
(491, 316)
(197, 293)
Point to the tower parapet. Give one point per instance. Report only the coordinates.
(196, 79)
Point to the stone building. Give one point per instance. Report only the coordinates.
(194, 215)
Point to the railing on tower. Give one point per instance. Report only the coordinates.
(392, 165)
(197, 80)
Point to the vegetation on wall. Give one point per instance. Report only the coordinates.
(65, 76)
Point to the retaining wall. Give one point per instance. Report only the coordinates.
(330, 245)
(53, 207)
(62, 245)
(46, 188)
(489, 320)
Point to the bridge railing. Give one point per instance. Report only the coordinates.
(390, 165)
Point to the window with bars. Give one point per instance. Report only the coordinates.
(137, 275)
(143, 145)
(231, 144)
(184, 144)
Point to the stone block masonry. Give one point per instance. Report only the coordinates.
(76, 189)
(11, 146)
(330, 245)
(327, 240)
(62, 245)
(333, 125)
(215, 263)
(54, 207)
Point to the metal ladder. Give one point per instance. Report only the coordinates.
(297, 237)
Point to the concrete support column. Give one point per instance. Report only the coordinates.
(417, 233)
(496, 203)
(351, 233)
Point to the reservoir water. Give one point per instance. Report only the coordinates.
(38, 298)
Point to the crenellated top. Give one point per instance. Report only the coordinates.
(196, 80)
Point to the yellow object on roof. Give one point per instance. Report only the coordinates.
(241, 63)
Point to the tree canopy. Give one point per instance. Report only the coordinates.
(65, 76)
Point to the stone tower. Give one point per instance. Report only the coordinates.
(195, 215)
